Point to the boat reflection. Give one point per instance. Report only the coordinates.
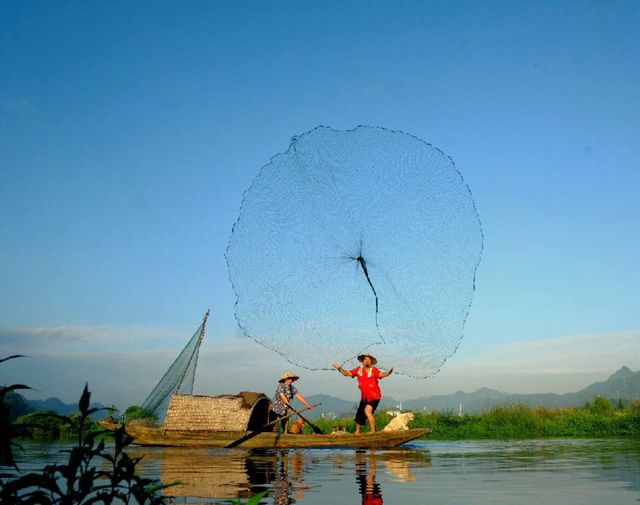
(206, 474)
(285, 475)
(228, 473)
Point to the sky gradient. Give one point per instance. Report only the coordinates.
(129, 132)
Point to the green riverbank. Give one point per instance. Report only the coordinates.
(597, 419)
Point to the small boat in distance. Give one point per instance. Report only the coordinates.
(230, 420)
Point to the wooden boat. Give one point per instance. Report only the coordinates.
(265, 440)
(218, 421)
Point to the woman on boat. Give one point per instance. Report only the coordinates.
(281, 402)
(368, 376)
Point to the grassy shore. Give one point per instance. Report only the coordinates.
(597, 419)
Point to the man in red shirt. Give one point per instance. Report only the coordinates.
(368, 376)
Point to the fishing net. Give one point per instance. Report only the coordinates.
(179, 378)
(353, 241)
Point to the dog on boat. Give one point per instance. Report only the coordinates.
(400, 422)
(297, 426)
(338, 430)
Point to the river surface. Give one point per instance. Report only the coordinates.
(540, 472)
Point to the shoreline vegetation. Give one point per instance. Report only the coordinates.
(597, 419)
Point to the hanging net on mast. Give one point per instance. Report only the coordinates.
(179, 378)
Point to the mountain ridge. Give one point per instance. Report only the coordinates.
(19, 406)
(623, 385)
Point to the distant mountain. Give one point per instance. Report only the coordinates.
(468, 402)
(19, 406)
(333, 406)
(622, 385)
(58, 406)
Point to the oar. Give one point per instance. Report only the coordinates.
(248, 436)
(313, 426)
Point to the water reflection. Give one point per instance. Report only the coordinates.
(203, 474)
(527, 472)
(289, 485)
(225, 474)
(398, 464)
(366, 478)
(240, 473)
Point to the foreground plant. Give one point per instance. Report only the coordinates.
(8, 430)
(80, 481)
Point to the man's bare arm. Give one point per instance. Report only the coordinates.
(344, 372)
(386, 374)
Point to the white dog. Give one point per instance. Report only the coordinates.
(399, 423)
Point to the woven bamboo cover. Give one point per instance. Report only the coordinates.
(214, 413)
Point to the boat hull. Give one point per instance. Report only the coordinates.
(200, 438)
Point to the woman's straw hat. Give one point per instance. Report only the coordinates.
(362, 356)
(289, 375)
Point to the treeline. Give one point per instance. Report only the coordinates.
(47, 425)
(599, 418)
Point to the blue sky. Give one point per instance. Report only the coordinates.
(129, 132)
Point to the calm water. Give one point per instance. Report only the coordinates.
(540, 472)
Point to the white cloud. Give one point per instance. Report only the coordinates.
(578, 353)
(557, 365)
(88, 338)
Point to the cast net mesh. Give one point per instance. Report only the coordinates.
(352, 241)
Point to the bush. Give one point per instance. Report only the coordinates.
(601, 406)
(514, 421)
(135, 412)
(43, 425)
(634, 415)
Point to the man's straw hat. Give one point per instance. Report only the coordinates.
(362, 356)
(289, 375)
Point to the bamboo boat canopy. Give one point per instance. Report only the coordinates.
(244, 411)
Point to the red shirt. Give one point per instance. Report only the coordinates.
(372, 498)
(369, 388)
